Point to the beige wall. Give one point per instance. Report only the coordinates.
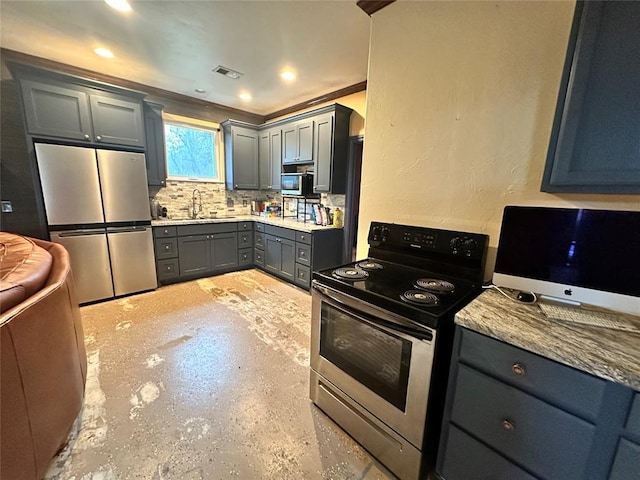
(460, 102)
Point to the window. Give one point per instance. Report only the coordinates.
(192, 151)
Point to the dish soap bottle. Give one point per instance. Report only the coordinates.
(338, 218)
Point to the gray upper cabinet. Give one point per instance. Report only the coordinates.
(331, 150)
(241, 156)
(75, 111)
(297, 142)
(270, 154)
(155, 154)
(595, 141)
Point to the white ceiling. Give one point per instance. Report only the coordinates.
(174, 45)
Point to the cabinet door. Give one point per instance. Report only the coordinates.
(595, 141)
(323, 154)
(224, 251)
(288, 259)
(195, 255)
(275, 147)
(304, 132)
(117, 121)
(245, 158)
(155, 156)
(272, 253)
(264, 155)
(289, 144)
(56, 111)
(627, 461)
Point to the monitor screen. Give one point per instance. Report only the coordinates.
(587, 256)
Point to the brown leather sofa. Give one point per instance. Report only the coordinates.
(43, 365)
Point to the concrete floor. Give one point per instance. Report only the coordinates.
(206, 379)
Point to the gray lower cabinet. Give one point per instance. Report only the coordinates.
(63, 107)
(241, 156)
(280, 256)
(511, 414)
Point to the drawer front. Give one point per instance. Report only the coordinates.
(303, 254)
(303, 276)
(626, 465)
(633, 421)
(259, 240)
(207, 228)
(166, 248)
(280, 232)
(303, 237)
(258, 256)
(163, 232)
(245, 257)
(466, 458)
(167, 269)
(258, 227)
(245, 226)
(245, 239)
(545, 440)
(564, 386)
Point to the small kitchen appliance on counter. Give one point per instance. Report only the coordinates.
(381, 338)
(97, 207)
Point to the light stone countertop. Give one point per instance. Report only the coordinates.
(610, 354)
(278, 221)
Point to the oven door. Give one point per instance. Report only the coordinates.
(380, 360)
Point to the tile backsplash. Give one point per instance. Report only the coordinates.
(177, 197)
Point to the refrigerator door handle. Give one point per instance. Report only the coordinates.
(80, 233)
(126, 229)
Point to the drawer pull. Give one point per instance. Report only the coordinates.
(508, 425)
(166, 231)
(518, 369)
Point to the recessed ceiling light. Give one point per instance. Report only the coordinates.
(245, 96)
(200, 90)
(288, 75)
(103, 52)
(120, 5)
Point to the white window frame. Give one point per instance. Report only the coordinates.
(171, 119)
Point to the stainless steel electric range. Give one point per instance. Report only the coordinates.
(381, 337)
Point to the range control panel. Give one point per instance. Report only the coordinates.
(427, 241)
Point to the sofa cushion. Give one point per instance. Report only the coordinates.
(24, 269)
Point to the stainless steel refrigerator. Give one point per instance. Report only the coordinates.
(97, 207)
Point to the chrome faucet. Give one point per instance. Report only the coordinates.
(196, 208)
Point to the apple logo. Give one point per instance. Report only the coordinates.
(568, 292)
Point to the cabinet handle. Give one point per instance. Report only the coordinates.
(518, 369)
(508, 425)
(302, 253)
(87, 137)
(166, 231)
(98, 138)
(301, 237)
(278, 240)
(236, 185)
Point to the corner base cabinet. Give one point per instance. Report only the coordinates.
(513, 415)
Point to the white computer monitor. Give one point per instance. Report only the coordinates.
(572, 255)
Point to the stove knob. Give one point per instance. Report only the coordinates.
(385, 233)
(455, 244)
(469, 246)
(375, 233)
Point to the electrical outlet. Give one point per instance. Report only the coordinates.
(244, 203)
(6, 206)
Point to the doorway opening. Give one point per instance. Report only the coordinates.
(352, 197)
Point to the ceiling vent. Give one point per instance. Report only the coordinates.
(227, 72)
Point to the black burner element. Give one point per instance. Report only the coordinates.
(434, 285)
(367, 265)
(420, 297)
(350, 273)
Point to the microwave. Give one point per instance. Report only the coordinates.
(297, 184)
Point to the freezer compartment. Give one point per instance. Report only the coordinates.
(132, 261)
(90, 264)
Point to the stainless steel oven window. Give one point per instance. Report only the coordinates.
(376, 358)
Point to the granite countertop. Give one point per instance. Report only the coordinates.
(610, 354)
(278, 221)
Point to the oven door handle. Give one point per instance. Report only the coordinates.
(340, 304)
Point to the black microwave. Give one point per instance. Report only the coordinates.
(297, 184)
